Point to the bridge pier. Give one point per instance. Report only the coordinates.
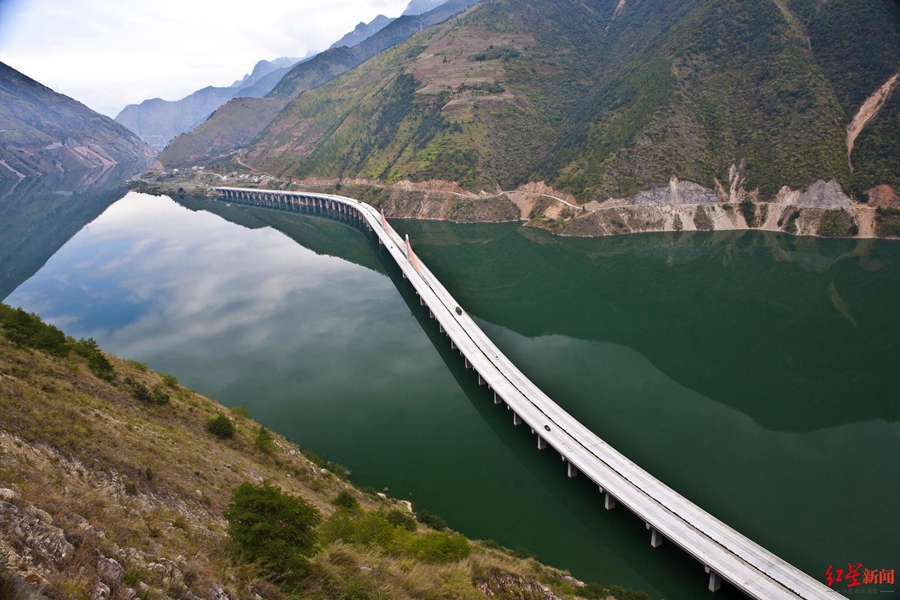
(656, 538)
(480, 380)
(517, 420)
(715, 582)
(452, 345)
(497, 399)
(610, 502)
(542, 443)
(572, 471)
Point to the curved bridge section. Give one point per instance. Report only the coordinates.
(724, 553)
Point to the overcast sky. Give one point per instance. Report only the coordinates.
(109, 53)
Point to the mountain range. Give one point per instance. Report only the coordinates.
(600, 100)
(157, 121)
(45, 133)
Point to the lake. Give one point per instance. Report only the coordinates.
(754, 373)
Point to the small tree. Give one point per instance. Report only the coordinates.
(346, 500)
(101, 367)
(220, 426)
(264, 441)
(273, 528)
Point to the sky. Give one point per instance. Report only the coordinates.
(110, 53)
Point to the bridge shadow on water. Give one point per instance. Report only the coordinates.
(668, 569)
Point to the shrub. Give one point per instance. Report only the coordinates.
(220, 426)
(401, 518)
(26, 329)
(138, 390)
(522, 552)
(240, 411)
(431, 520)
(748, 209)
(160, 396)
(148, 473)
(333, 467)
(346, 500)
(140, 366)
(264, 441)
(170, 380)
(273, 528)
(101, 367)
(439, 547)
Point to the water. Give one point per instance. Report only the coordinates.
(753, 373)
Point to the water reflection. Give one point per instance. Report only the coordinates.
(40, 214)
(699, 356)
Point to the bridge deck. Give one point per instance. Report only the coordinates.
(722, 550)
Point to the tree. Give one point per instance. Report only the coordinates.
(273, 528)
(220, 426)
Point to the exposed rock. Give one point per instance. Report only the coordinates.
(505, 585)
(217, 593)
(167, 572)
(101, 592)
(824, 195)
(678, 192)
(882, 196)
(33, 535)
(7, 494)
(110, 571)
(128, 594)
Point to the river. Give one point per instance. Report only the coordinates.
(754, 373)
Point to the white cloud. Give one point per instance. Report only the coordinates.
(108, 53)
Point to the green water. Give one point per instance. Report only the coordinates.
(753, 373)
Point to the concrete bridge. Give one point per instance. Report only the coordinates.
(724, 553)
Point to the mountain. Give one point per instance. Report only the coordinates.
(236, 123)
(115, 481)
(363, 32)
(418, 7)
(604, 100)
(45, 133)
(157, 121)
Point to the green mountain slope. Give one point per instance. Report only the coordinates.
(607, 98)
(237, 122)
(45, 133)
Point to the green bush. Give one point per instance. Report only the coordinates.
(25, 329)
(170, 380)
(431, 520)
(346, 500)
(264, 441)
(333, 467)
(401, 518)
(748, 209)
(272, 528)
(101, 367)
(240, 411)
(220, 426)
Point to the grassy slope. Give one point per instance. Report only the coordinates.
(81, 448)
(685, 88)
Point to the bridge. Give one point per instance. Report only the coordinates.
(725, 554)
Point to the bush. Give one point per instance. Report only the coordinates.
(522, 552)
(26, 329)
(220, 426)
(264, 441)
(748, 209)
(431, 520)
(160, 396)
(101, 367)
(138, 390)
(401, 518)
(346, 500)
(272, 528)
(170, 381)
(333, 467)
(240, 411)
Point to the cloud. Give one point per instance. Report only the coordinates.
(109, 53)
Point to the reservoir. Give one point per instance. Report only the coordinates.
(753, 373)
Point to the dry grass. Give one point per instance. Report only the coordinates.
(81, 449)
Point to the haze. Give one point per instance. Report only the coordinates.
(109, 53)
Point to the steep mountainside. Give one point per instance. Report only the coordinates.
(603, 100)
(220, 137)
(363, 31)
(45, 133)
(157, 121)
(114, 485)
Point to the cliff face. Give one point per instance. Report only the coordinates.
(45, 133)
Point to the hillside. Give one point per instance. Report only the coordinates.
(363, 31)
(236, 123)
(45, 133)
(157, 121)
(605, 100)
(113, 486)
